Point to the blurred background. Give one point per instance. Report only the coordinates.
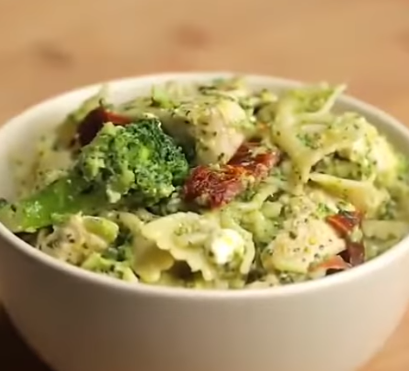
(50, 46)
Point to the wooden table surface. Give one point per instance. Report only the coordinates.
(48, 46)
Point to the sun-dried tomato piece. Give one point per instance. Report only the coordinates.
(215, 186)
(334, 262)
(94, 121)
(255, 159)
(331, 265)
(354, 253)
(116, 118)
(344, 223)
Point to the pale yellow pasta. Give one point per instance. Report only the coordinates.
(374, 154)
(183, 236)
(77, 238)
(149, 261)
(308, 142)
(249, 251)
(189, 237)
(314, 240)
(304, 239)
(385, 229)
(216, 124)
(362, 194)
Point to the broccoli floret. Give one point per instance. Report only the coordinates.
(138, 157)
(136, 162)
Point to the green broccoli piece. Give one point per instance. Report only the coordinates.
(65, 196)
(137, 162)
(138, 158)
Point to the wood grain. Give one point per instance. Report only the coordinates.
(49, 46)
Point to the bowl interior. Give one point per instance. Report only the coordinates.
(20, 134)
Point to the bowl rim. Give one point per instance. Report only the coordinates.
(301, 288)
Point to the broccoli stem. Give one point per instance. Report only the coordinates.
(67, 195)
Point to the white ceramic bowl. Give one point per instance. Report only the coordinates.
(79, 321)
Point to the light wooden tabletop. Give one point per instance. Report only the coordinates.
(48, 46)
